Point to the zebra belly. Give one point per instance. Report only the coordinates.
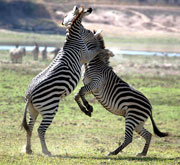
(120, 111)
(48, 96)
(48, 101)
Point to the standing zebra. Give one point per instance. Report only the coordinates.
(44, 53)
(16, 54)
(117, 97)
(35, 52)
(61, 77)
(55, 51)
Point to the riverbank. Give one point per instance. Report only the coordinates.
(136, 41)
(123, 64)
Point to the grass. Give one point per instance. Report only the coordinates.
(25, 38)
(74, 138)
(136, 41)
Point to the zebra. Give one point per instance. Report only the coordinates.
(16, 54)
(119, 98)
(60, 78)
(44, 53)
(55, 52)
(35, 52)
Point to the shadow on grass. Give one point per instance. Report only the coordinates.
(129, 158)
(89, 158)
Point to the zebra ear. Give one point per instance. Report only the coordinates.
(109, 53)
(97, 32)
(75, 10)
(87, 12)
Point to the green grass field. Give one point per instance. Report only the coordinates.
(25, 38)
(74, 138)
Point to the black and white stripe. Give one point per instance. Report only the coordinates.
(59, 79)
(119, 98)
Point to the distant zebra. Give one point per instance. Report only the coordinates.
(60, 78)
(55, 52)
(44, 53)
(16, 54)
(117, 97)
(35, 52)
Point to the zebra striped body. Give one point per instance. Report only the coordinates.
(113, 93)
(58, 80)
(119, 98)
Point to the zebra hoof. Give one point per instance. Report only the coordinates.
(88, 113)
(90, 108)
(141, 154)
(111, 153)
(29, 152)
(47, 153)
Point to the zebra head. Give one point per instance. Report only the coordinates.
(105, 56)
(74, 14)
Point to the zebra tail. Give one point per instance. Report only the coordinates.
(24, 121)
(156, 130)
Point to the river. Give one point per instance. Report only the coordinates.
(115, 51)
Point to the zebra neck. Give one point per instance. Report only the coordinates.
(75, 30)
(98, 63)
(64, 60)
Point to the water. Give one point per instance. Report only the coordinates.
(115, 51)
(28, 48)
(146, 53)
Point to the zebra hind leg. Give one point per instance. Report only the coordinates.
(45, 123)
(129, 128)
(147, 136)
(32, 118)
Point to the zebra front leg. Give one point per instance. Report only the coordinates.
(93, 85)
(83, 109)
(86, 104)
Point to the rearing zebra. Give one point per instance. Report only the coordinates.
(117, 97)
(61, 77)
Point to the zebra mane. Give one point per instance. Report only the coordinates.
(104, 57)
(76, 18)
(100, 39)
